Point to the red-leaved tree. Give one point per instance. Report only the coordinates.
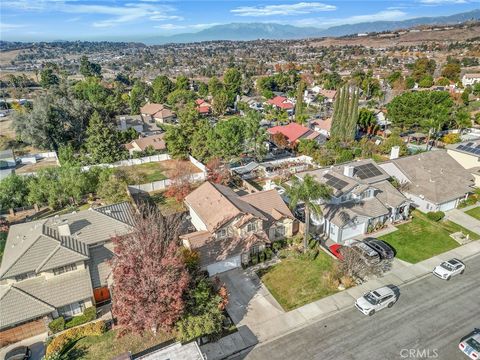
(149, 274)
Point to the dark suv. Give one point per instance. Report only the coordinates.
(381, 247)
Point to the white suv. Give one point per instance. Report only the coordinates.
(376, 300)
(449, 268)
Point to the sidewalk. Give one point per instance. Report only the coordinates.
(401, 274)
(462, 219)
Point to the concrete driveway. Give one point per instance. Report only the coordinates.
(36, 344)
(250, 302)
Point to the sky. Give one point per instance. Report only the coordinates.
(36, 20)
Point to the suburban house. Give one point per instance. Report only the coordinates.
(328, 95)
(157, 113)
(230, 227)
(322, 126)
(281, 102)
(7, 163)
(433, 180)
(137, 122)
(203, 107)
(57, 267)
(362, 199)
(470, 79)
(154, 142)
(294, 132)
(467, 154)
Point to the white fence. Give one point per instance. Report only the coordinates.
(197, 164)
(163, 184)
(131, 162)
(33, 158)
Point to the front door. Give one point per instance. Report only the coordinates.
(101, 295)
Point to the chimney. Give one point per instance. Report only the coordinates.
(395, 153)
(348, 170)
(64, 230)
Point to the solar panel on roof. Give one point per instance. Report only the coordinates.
(477, 151)
(336, 183)
(469, 144)
(460, 147)
(367, 171)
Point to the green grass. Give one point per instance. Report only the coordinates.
(422, 238)
(475, 212)
(167, 205)
(295, 281)
(107, 346)
(144, 173)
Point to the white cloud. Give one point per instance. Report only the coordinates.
(7, 27)
(441, 2)
(114, 13)
(385, 15)
(285, 9)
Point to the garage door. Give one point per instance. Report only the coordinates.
(448, 206)
(349, 232)
(22, 332)
(228, 264)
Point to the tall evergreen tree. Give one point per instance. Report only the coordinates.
(345, 115)
(102, 145)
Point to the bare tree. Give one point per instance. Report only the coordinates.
(354, 265)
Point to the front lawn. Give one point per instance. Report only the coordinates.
(422, 238)
(475, 212)
(298, 281)
(107, 346)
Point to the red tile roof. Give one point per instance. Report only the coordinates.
(281, 102)
(292, 131)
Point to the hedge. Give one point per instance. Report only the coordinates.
(89, 314)
(436, 215)
(58, 344)
(57, 325)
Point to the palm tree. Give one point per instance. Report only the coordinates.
(308, 191)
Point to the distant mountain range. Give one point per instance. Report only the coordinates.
(255, 31)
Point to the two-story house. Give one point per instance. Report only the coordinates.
(362, 199)
(57, 267)
(230, 227)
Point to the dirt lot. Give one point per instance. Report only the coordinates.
(406, 39)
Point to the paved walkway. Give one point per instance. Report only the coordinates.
(267, 322)
(462, 219)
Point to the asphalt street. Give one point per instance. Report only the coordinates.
(428, 321)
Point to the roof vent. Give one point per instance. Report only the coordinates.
(108, 211)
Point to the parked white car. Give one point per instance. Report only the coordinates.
(471, 346)
(449, 268)
(376, 300)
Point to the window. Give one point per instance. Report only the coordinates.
(64, 269)
(71, 309)
(222, 233)
(251, 227)
(25, 276)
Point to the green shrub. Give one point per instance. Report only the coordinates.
(57, 325)
(436, 215)
(75, 321)
(277, 245)
(90, 313)
(268, 254)
(254, 259)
